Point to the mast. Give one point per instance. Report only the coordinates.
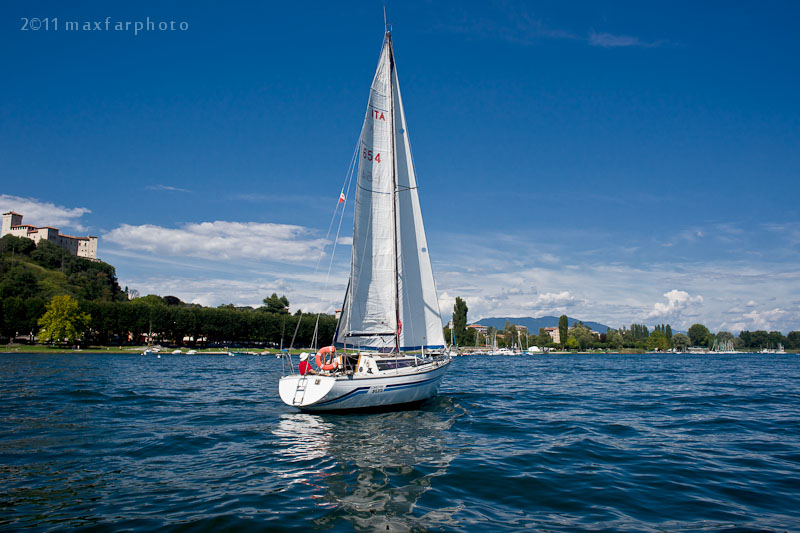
(394, 200)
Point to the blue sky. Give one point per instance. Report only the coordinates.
(619, 162)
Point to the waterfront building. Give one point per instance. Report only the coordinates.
(80, 246)
(554, 334)
(478, 328)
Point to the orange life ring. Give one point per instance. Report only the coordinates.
(326, 360)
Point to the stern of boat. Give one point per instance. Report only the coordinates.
(302, 391)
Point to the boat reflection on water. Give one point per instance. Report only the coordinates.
(373, 470)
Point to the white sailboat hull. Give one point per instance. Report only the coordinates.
(335, 393)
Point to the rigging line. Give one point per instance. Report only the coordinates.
(296, 329)
(372, 190)
(333, 218)
(348, 185)
(330, 226)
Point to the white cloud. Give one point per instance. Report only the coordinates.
(609, 40)
(554, 299)
(39, 213)
(677, 302)
(691, 235)
(764, 319)
(160, 187)
(446, 303)
(222, 240)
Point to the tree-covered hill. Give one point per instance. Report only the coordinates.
(31, 276)
(40, 272)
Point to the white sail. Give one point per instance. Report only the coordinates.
(369, 308)
(390, 274)
(419, 304)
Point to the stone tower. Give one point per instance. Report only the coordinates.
(10, 219)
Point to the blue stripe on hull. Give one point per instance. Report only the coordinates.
(364, 390)
(392, 394)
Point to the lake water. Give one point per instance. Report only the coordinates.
(616, 442)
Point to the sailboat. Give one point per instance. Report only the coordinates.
(388, 347)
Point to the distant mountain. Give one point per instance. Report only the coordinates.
(533, 324)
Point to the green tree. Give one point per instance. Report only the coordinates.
(34, 309)
(583, 335)
(738, 344)
(793, 340)
(472, 337)
(63, 319)
(50, 255)
(277, 305)
(563, 328)
(509, 334)
(543, 339)
(172, 300)
(18, 281)
(614, 339)
(775, 338)
(723, 336)
(460, 321)
(657, 341)
(680, 342)
(745, 337)
(759, 339)
(14, 317)
(151, 299)
(699, 335)
(572, 343)
(14, 246)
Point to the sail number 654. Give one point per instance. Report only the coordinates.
(367, 154)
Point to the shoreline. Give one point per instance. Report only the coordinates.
(132, 350)
(137, 350)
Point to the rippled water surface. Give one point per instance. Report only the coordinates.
(616, 442)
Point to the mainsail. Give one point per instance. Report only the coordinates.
(391, 297)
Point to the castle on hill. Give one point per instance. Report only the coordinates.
(80, 246)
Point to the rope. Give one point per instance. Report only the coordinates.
(348, 181)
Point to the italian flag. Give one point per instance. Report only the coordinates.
(341, 197)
